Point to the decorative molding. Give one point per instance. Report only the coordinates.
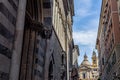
(43, 30)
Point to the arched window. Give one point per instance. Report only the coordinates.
(62, 60)
(50, 76)
(34, 9)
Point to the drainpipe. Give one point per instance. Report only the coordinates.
(16, 56)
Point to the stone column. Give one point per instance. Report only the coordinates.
(16, 56)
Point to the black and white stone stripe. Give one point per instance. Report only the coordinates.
(8, 15)
(5, 51)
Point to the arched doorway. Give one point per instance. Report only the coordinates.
(36, 25)
(29, 39)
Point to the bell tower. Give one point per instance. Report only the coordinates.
(94, 59)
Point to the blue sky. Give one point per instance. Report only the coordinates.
(85, 26)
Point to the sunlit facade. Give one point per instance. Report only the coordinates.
(88, 71)
(108, 40)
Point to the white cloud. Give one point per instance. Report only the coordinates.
(85, 37)
(91, 24)
(85, 27)
(84, 10)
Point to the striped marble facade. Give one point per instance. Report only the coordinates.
(34, 39)
(8, 14)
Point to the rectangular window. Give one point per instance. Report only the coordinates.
(37, 49)
(114, 58)
(102, 61)
(104, 29)
(95, 69)
(106, 4)
(46, 5)
(48, 20)
(112, 38)
(36, 61)
(83, 75)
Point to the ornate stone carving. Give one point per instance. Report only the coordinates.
(43, 30)
(46, 33)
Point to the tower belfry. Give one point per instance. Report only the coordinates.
(94, 59)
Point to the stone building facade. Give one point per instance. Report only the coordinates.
(108, 40)
(88, 71)
(118, 6)
(8, 18)
(74, 63)
(35, 39)
(75, 56)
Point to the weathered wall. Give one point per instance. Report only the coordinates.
(54, 52)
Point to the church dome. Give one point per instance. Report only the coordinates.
(85, 62)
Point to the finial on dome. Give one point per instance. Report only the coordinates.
(85, 56)
(94, 53)
(85, 61)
